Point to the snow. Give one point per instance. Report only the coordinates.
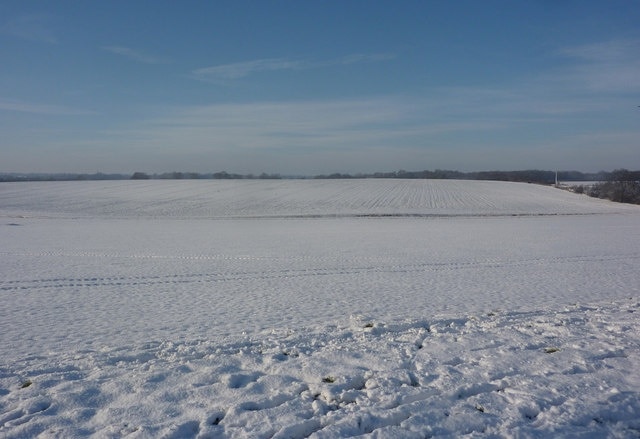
(197, 199)
(374, 308)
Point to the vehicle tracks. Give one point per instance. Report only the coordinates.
(371, 267)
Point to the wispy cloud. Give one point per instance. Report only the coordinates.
(608, 51)
(528, 107)
(242, 69)
(463, 128)
(516, 121)
(227, 72)
(38, 108)
(605, 66)
(31, 27)
(560, 119)
(337, 127)
(135, 55)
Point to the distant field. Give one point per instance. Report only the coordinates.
(198, 199)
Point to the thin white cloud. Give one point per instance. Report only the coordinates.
(135, 55)
(463, 128)
(384, 123)
(513, 121)
(611, 66)
(608, 51)
(242, 69)
(555, 121)
(31, 27)
(226, 72)
(38, 108)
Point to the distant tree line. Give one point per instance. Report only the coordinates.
(60, 177)
(620, 185)
(197, 176)
(529, 176)
(16, 177)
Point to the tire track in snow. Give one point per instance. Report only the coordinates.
(242, 275)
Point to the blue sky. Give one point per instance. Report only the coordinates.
(310, 87)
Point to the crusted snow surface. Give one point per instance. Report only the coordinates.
(296, 319)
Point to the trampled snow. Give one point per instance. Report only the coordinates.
(295, 308)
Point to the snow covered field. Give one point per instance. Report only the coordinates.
(331, 308)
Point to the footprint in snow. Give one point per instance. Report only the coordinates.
(239, 380)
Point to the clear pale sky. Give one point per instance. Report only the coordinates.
(310, 87)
